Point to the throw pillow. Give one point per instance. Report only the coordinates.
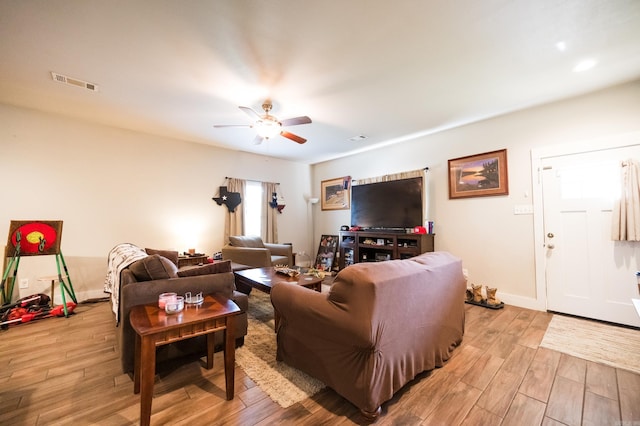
(172, 255)
(154, 267)
(210, 268)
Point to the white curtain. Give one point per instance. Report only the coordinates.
(234, 221)
(626, 213)
(387, 178)
(269, 226)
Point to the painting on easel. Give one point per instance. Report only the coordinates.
(34, 237)
(326, 252)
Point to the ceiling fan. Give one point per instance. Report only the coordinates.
(269, 126)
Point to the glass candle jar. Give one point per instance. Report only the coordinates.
(175, 305)
(164, 298)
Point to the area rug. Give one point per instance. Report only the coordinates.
(257, 357)
(615, 346)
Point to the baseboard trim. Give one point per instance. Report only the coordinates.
(523, 302)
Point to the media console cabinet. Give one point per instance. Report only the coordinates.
(373, 246)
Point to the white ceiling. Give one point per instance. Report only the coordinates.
(391, 71)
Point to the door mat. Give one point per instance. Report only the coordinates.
(611, 345)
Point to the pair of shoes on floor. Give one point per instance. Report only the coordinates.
(475, 294)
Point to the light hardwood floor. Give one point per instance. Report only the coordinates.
(66, 371)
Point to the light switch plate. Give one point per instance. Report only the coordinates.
(523, 209)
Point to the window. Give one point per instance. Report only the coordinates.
(594, 180)
(253, 208)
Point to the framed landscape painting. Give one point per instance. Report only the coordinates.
(479, 175)
(335, 194)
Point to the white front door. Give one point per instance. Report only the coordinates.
(587, 274)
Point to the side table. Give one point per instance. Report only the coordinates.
(191, 260)
(51, 279)
(154, 328)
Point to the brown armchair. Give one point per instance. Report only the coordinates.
(380, 325)
(253, 252)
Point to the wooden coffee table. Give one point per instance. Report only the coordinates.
(154, 328)
(263, 279)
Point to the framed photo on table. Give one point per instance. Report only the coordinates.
(326, 253)
(479, 175)
(335, 194)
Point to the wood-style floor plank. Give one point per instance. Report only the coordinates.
(67, 371)
(482, 371)
(566, 401)
(499, 394)
(480, 416)
(572, 368)
(599, 410)
(538, 380)
(601, 380)
(453, 408)
(524, 410)
(629, 396)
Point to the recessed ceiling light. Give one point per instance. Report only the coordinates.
(585, 65)
(561, 46)
(358, 138)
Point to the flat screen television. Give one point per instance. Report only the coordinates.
(387, 205)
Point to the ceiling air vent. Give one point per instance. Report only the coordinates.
(74, 82)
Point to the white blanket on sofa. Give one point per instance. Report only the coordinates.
(120, 257)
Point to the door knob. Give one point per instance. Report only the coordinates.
(551, 246)
(550, 235)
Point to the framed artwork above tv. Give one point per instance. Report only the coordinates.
(479, 175)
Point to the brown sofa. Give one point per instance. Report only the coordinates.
(137, 289)
(254, 252)
(379, 326)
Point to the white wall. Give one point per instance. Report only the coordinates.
(111, 186)
(496, 246)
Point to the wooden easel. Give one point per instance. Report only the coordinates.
(6, 291)
(66, 287)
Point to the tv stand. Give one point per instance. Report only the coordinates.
(379, 245)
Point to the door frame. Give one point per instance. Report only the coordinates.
(537, 156)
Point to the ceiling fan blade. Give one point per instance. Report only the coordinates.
(296, 120)
(232, 125)
(293, 137)
(258, 140)
(251, 113)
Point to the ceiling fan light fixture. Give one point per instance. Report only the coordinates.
(268, 128)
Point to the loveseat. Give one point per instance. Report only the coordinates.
(252, 251)
(142, 282)
(379, 326)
